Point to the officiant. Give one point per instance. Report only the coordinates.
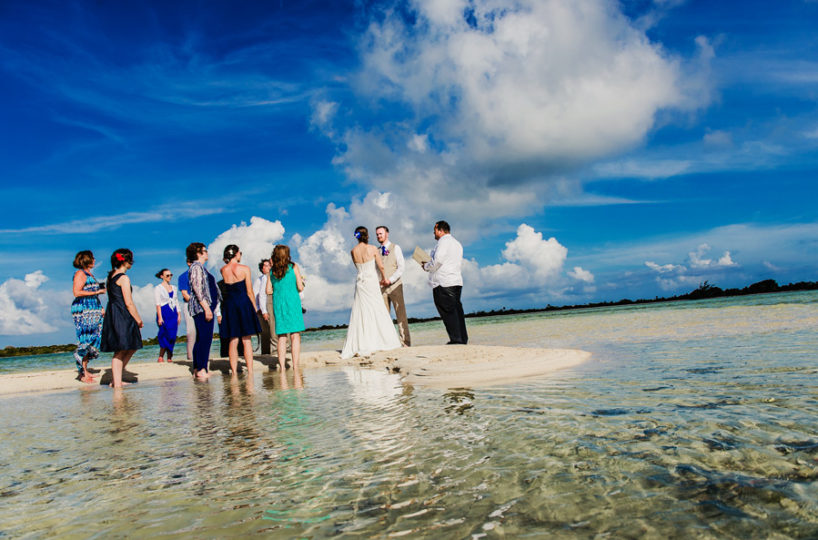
(446, 281)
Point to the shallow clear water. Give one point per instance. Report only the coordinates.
(691, 420)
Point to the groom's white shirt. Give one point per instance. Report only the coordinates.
(261, 293)
(394, 248)
(447, 260)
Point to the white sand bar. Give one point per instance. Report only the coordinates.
(455, 366)
(441, 366)
(66, 379)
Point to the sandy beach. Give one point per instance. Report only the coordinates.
(431, 365)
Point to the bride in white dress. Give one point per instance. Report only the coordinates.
(370, 326)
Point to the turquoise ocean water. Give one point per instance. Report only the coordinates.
(692, 420)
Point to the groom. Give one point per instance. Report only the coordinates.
(391, 285)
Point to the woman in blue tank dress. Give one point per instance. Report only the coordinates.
(120, 328)
(168, 316)
(285, 283)
(239, 319)
(87, 312)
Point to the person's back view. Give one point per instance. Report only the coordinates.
(239, 321)
(370, 327)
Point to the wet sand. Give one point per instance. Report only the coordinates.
(439, 366)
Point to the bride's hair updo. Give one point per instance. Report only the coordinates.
(229, 252)
(362, 234)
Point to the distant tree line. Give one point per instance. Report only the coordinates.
(703, 291)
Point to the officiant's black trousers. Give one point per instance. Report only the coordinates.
(447, 302)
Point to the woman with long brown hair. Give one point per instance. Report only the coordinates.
(286, 282)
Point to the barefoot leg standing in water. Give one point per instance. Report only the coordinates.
(120, 329)
(118, 363)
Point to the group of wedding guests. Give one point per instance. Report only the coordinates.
(116, 329)
(271, 307)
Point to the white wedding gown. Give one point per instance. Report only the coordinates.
(370, 326)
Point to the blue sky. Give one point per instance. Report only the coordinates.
(582, 151)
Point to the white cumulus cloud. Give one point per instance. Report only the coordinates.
(699, 268)
(698, 258)
(542, 258)
(256, 241)
(27, 309)
(483, 105)
(580, 274)
(664, 268)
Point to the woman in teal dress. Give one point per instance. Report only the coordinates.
(286, 282)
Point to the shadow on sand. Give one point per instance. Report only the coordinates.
(216, 364)
(223, 364)
(127, 377)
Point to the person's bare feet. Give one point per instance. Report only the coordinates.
(112, 385)
(160, 360)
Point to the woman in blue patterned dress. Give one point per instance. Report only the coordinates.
(87, 312)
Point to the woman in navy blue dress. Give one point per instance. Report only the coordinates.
(120, 327)
(239, 319)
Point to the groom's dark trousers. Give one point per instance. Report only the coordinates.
(447, 302)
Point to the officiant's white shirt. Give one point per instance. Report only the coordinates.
(447, 260)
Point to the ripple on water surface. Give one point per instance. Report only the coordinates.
(703, 433)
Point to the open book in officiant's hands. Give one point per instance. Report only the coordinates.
(421, 256)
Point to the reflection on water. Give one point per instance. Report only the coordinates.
(688, 422)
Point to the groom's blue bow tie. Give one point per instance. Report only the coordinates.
(384, 251)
